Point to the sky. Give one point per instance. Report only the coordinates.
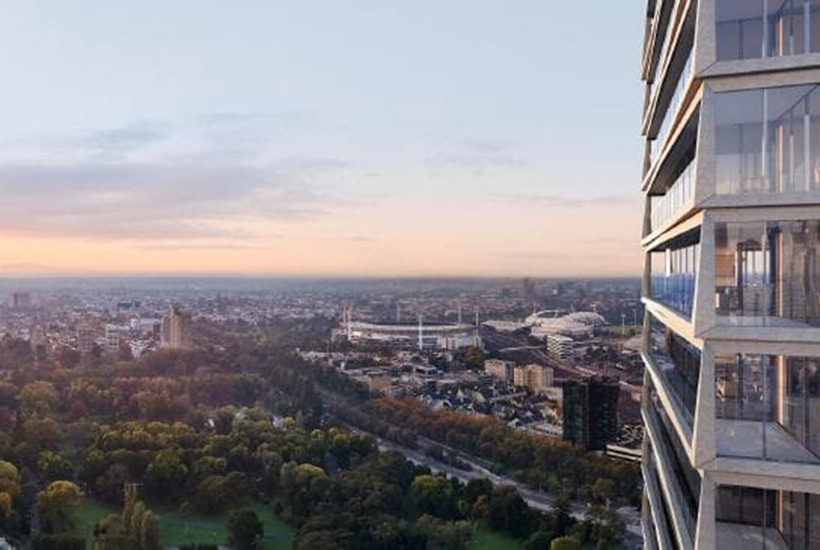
(319, 137)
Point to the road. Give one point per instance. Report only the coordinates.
(633, 538)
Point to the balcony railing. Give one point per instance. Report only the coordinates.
(678, 195)
(674, 103)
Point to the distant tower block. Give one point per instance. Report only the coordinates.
(177, 329)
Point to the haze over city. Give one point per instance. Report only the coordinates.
(319, 138)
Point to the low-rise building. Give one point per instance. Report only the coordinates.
(560, 347)
(500, 369)
(535, 378)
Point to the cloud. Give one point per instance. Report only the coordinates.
(478, 155)
(564, 201)
(177, 247)
(148, 181)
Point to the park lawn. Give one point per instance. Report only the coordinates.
(486, 539)
(177, 529)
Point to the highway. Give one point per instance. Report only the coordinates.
(633, 538)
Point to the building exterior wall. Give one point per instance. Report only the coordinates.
(560, 347)
(177, 329)
(500, 369)
(590, 412)
(731, 236)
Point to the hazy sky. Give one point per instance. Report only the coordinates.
(384, 137)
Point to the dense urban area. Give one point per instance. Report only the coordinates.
(320, 414)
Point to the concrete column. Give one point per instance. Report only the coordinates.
(706, 534)
(703, 438)
(703, 314)
(705, 49)
(705, 160)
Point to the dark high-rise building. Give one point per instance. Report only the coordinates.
(590, 412)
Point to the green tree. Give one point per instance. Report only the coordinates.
(166, 475)
(39, 397)
(109, 534)
(135, 529)
(509, 513)
(540, 540)
(434, 495)
(52, 466)
(245, 531)
(58, 505)
(565, 543)
(318, 540)
(149, 532)
(474, 357)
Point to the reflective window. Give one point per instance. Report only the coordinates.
(675, 101)
(752, 29)
(768, 519)
(679, 363)
(664, 512)
(768, 273)
(678, 195)
(768, 141)
(768, 407)
(673, 269)
(685, 478)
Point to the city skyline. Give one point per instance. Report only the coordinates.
(318, 140)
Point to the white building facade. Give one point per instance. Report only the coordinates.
(731, 238)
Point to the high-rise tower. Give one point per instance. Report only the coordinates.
(731, 237)
(177, 329)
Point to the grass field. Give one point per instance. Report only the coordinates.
(484, 539)
(177, 529)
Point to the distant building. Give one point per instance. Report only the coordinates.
(378, 382)
(581, 324)
(114, 334)
(21, 300)
(438, 336)
(535, 378)
(590, 412)
(145, 326)
(500, 369)
(560, 347)
(177, 329)
(86, 338)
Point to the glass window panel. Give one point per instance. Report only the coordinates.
(739, 29)
(739, 135)
(767, 274)
(751, 29)
(764, 407)
(814, 25)
(769, 519)
(785, 27)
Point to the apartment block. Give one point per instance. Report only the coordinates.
(731, 241)
(502, 370)
(590, 412)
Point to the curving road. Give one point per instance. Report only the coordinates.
(633, 537)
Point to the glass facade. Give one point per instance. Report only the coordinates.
(673, 270)
(678, 195)
(768, 273)
(753, 29)
(678, 362)
(685, 479)
(675, 101)
(768, 407)
(758, 518)
(768, 140)
(665, 509)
